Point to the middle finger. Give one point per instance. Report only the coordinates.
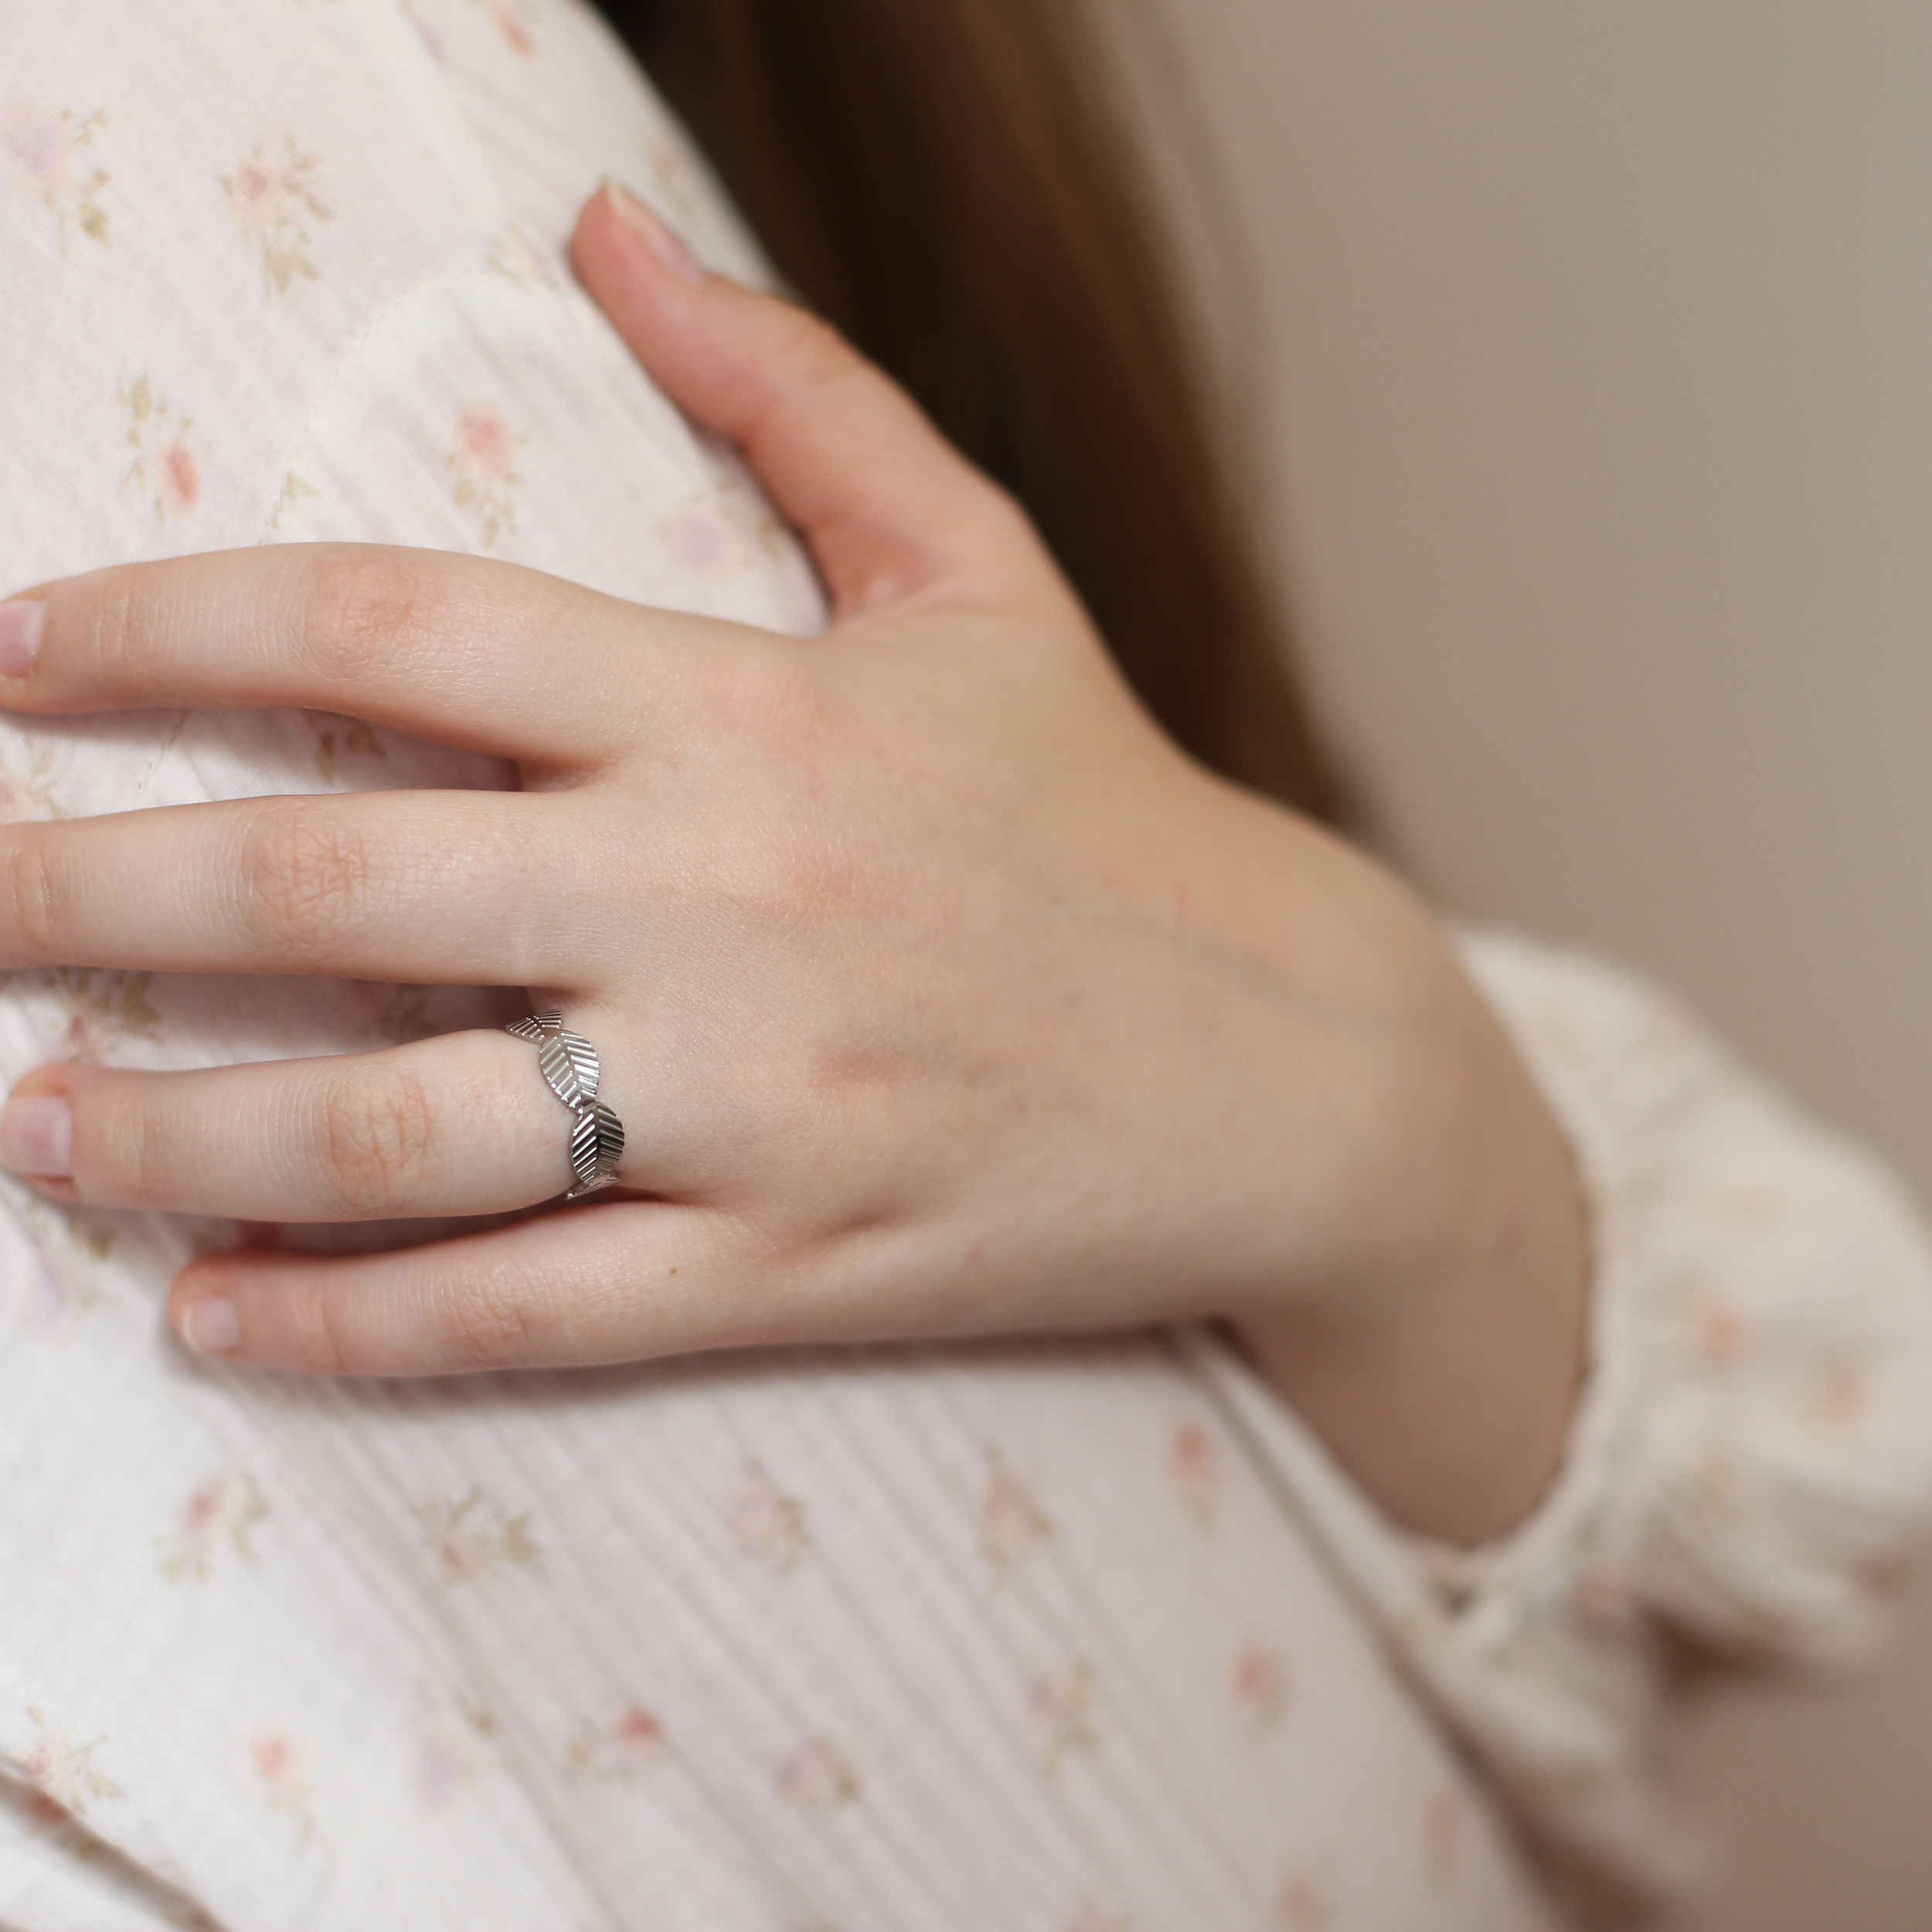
(429, 888)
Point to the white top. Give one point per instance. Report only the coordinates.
(1076, 1636)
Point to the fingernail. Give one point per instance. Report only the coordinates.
(665, 242)
(212, 1327)
(36, 1136)
(21, 625)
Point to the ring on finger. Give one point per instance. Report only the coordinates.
(571, 1066)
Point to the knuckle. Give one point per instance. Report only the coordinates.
(488, 1321)
(356, 608)
(128, 612)
(131, 1139)
(378, 1135)
(1004, 519)
(126, 1149)
(770, 712)
(768, 692)
(35, 895)
(303, 877)
(810, 353)
(316, 1339)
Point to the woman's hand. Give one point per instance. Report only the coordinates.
(938, 993)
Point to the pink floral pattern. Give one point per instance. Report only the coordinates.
(103, 1007)
(282, 1777)
(451, 1743)
(49, 154)
(29, 794)
(276, 206)
(50, 1302)
(1192, 1473)
(762, 1522)
(512, 22)
(63, 1770)
(1839, 1394)
(514, 255)
(441, 1771)
(1596, 1596)
(668, 178)
(63, 1283)
(219, 1513)
(1011, 1524)
(165, 468)
(619, 1749)
(816, 1776)
(473, 1538)
(1442, 1836)
(295, 492)
(1302, 1905)
(718, 534)
(1260, 1684)
(483, 451)
(1059, 1714)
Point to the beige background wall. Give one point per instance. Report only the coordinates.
(1598, 422)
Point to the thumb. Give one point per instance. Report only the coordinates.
(890, 510)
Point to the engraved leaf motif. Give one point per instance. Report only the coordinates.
(569, 1063)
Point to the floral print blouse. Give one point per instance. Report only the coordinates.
(1069, 1637)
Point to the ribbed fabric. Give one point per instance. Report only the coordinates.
(1018, 1636)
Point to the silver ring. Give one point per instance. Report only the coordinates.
(571, 1066)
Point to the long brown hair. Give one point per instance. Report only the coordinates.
(942, 180)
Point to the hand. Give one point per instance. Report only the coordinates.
(938, 993)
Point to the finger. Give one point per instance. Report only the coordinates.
(599, 1284)
(462, 1124)
(427, 887)
(458, 650)
(891, 511)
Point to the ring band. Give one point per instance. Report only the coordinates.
(571, 1066)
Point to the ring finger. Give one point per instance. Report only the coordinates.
(462, 1125)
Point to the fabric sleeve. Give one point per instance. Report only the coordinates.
(1750, 1465)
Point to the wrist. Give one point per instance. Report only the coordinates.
(1430, 1321)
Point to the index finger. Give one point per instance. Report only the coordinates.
(458, 651)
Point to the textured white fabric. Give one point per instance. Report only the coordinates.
(1019, 1636)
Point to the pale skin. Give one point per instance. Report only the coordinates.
(938, 993)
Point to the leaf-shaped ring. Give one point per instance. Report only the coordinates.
(570, 1065)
